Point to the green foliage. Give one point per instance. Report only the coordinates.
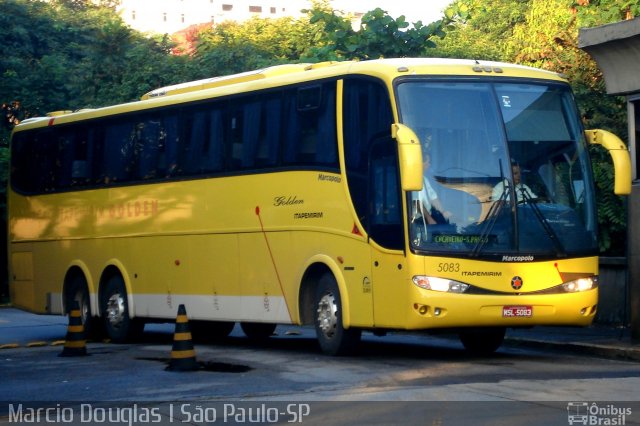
(611, 208)
(232, 47)
(81, 55)
(379, 36)
(598, 12)
(481, 30)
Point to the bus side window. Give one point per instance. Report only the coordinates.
(203, 152)
(120, 140)
(311, 133)
(147, 145)
(327, 149)
(33, 159)
(386, 226)
(269, 136)
(367, 112)
(251, 123)
(44, 161)
(66, 142)
(168, 147)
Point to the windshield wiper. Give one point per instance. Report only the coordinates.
(489, 222)
(529, 200)
(492, 216)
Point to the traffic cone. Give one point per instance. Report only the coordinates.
(75, 343)
(183, 356)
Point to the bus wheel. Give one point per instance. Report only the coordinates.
(210, 331)
(114, 305)
(78, 291)
(258, 330)
(333, 338)
(482, 341)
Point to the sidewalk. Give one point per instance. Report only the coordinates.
(598, 340)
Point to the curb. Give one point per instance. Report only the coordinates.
(601, 350)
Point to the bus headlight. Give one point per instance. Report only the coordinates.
(439, 284)
(581, 284)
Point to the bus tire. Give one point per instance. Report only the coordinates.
(210, 331)
(333, 338)
(114, 305)
(259, 331)
(77, 290)
(482, 341)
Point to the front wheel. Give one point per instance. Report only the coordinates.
(333, 338)
(114, 305)
(482, 341)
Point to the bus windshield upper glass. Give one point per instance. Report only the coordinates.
(505, 169)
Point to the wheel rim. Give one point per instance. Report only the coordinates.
(84, 306)
(115, 310)
(327, 315)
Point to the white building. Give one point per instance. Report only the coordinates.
(170, 16)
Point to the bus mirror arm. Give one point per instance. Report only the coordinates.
(619, 154)
(410, 157)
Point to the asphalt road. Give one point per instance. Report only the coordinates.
(396, 379)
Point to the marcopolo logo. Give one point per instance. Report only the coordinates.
(594, 414)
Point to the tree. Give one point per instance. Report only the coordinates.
(379, 36)
(481, 30)
(232, 47)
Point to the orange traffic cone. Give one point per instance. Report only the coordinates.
(75, 343)
(183, 356)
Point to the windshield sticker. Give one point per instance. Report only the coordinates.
(506, 101)
(464, 239)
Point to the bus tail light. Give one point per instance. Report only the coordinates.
(439, 284)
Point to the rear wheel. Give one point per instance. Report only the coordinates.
(119, 326)
(258, 330)
(333, 338)
(78, 291)
(482, 341)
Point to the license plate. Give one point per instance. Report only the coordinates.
(517, 311)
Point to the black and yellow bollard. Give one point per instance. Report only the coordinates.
(183, 356)
(75, 343)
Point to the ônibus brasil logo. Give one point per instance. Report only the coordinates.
(583, 413)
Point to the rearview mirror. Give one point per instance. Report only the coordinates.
(410, 155)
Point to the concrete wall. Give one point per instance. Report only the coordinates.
(633, 233)
(613, 304)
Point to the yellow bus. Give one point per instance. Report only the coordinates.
(396, 194)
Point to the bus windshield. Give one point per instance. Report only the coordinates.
(505, 169)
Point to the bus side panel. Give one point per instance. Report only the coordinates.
(264, 270)
(352, 256)
(390, 288)
(21, 289)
